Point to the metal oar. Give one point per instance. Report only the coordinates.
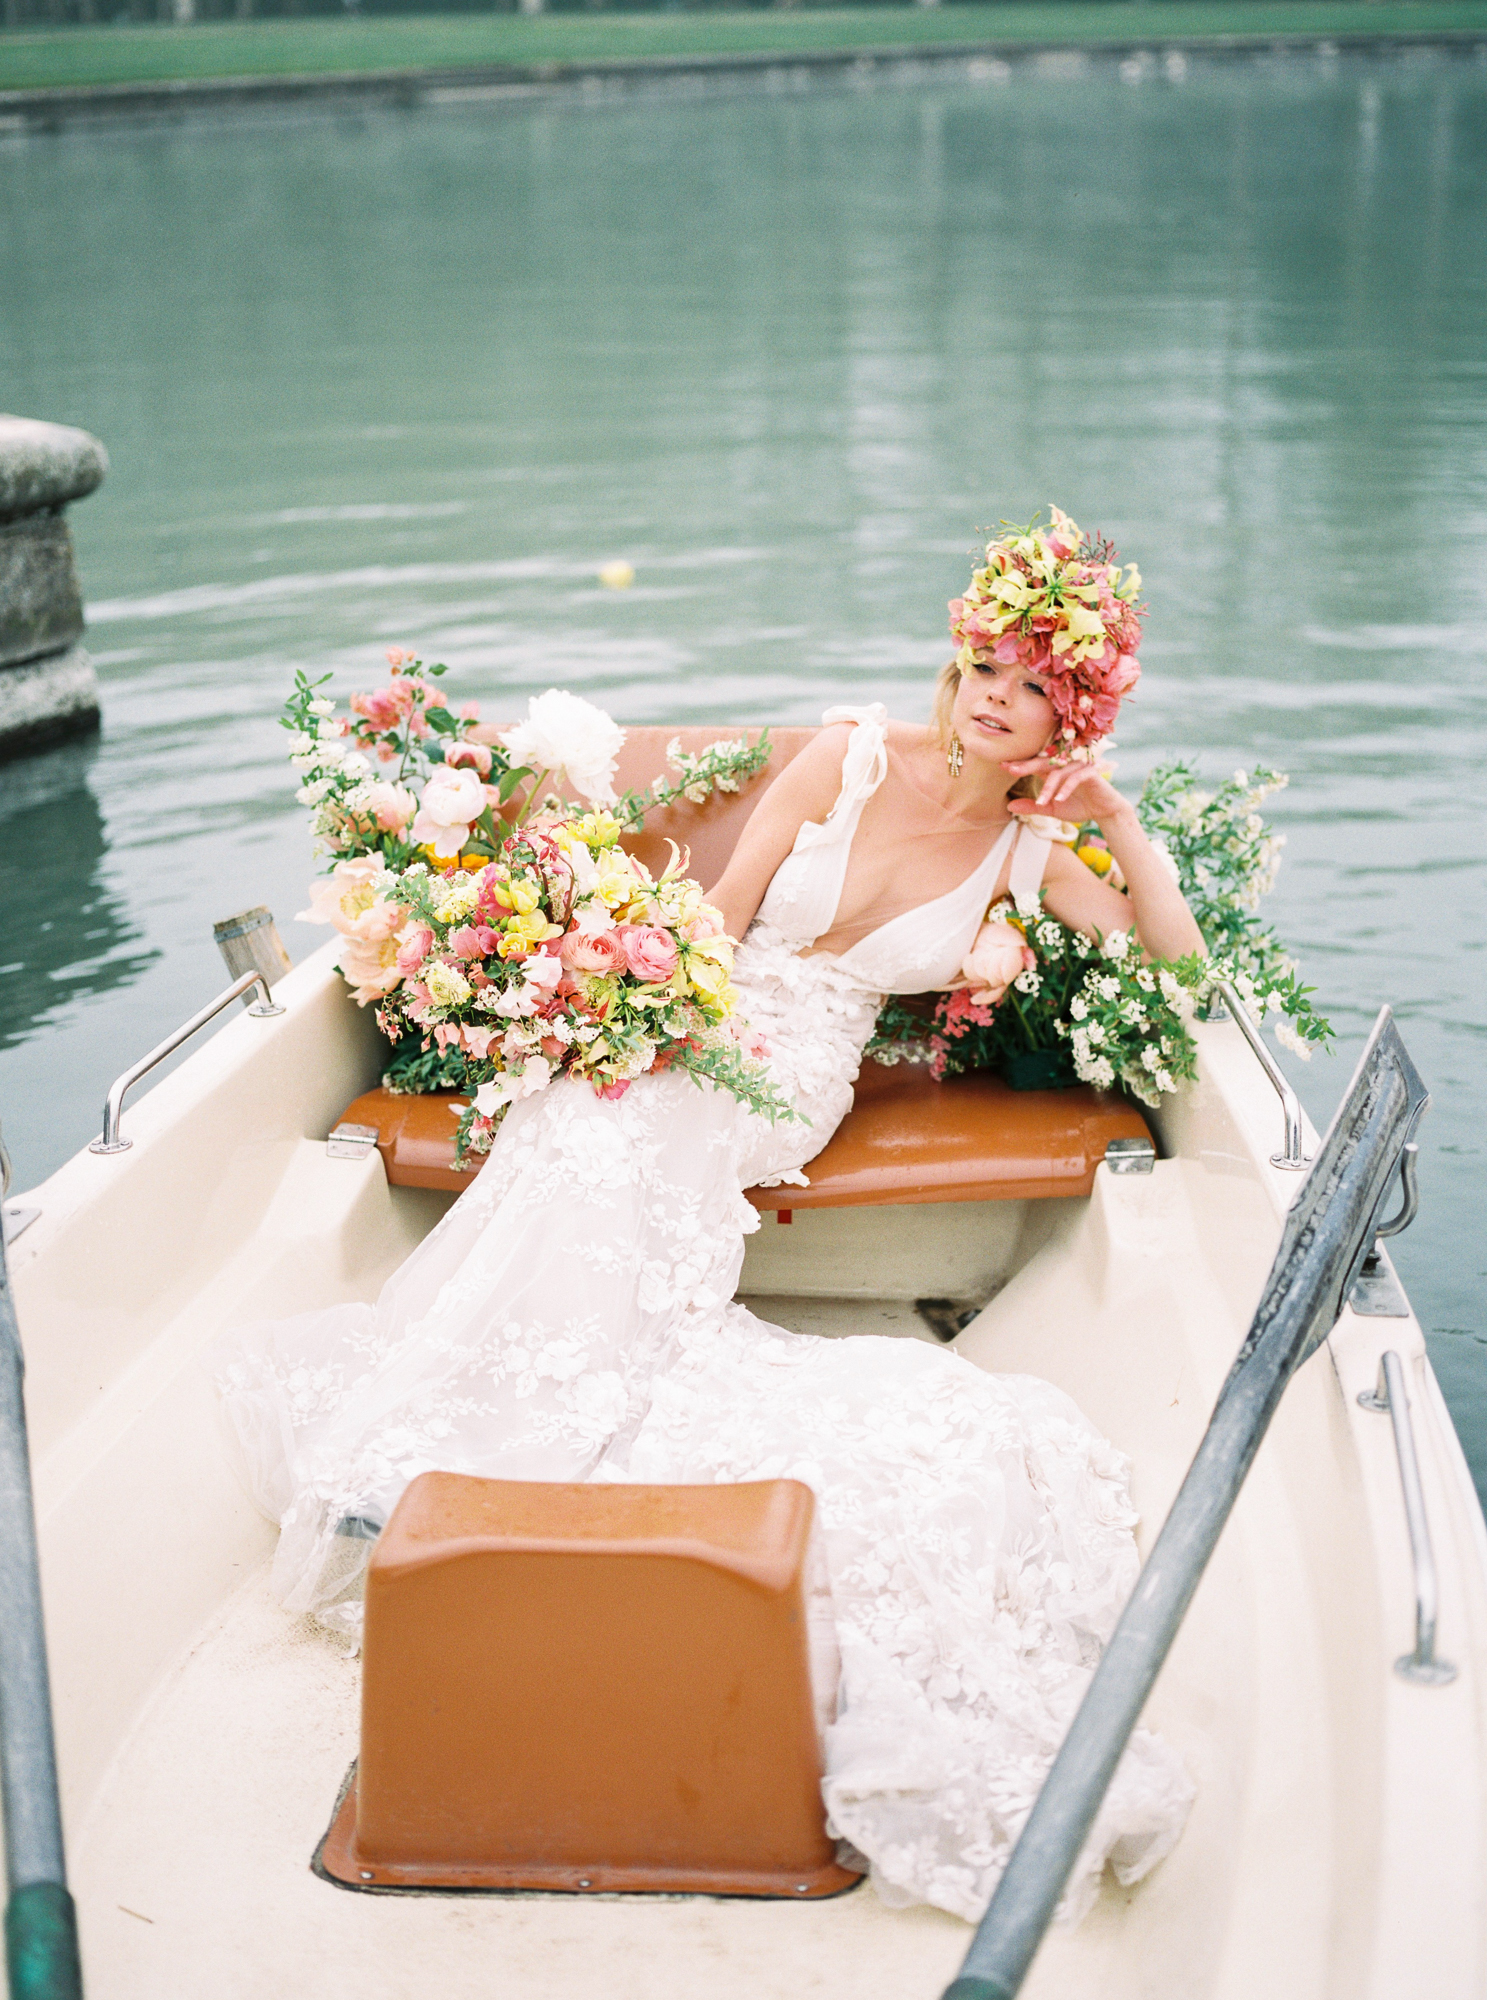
(1328, 1233)
(41, 1956)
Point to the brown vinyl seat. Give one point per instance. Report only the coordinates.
(907, 1139)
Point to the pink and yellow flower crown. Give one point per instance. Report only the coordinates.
(1061, 605)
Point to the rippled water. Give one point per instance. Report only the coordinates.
(411, 378)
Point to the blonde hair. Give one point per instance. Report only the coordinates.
(942, 722)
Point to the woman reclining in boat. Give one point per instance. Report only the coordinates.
(570, 1317)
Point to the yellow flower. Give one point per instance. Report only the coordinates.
(1098, 858)
(616, 883)
(447, 988)
(1081, 625)
(709, 964)
(524, 931)
(599, 829)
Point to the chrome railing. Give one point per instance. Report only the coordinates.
(1293, 1155)
(1390, 1394)
(41, 1954)
(109, 1140)
(1326, 1235)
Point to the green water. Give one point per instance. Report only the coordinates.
(409, 379)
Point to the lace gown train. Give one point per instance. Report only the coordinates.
(570, 1318)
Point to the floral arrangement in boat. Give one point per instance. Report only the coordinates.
(1047, 1006)
(500, 929)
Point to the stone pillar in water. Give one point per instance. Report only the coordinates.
(48, 689)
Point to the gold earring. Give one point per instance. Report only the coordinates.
(955, 756)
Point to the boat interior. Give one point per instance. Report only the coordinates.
(1339, 1840)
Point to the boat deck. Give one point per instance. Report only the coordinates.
(234, 1768)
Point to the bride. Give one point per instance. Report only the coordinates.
(570, 1317)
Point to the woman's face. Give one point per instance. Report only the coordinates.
(1003, 713)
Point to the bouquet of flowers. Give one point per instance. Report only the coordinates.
(1046, 1005)
(564, 956)
(503, 934)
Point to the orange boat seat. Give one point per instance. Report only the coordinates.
(588, 1688)
(908, 1139)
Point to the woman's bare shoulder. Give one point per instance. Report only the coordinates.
(813, 776)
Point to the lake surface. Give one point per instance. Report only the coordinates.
(382, 379)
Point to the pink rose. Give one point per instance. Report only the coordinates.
(474, 755)
(593, 951)
(996, 958)
(470, 712)
(650, 952)
(707, 923)
(416, 948)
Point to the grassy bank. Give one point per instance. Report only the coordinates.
(37, 59)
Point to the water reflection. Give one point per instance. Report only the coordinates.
(68, 936)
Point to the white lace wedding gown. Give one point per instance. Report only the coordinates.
(570, 1318)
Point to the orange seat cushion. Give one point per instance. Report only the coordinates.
(909, 1139)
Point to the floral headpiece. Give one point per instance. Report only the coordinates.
(1058, 603)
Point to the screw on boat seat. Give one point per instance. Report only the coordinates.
(588, 1688)
(908, 1138)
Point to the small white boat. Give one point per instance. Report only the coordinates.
(1338, 1847)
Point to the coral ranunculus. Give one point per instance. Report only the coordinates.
(650, 953)
(593, 951)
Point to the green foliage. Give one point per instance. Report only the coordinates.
(1226, 859)
(726, 1067)
(413, 1070)
(1124, 1022)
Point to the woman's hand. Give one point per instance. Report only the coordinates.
(1076, 896)
(1074, 791)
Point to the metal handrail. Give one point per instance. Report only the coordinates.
(1293, 1157)
(1390, 1394)
(1326, 1234)
(41, 1952)
(109, 1141)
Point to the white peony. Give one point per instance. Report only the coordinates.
(452, 800)
(563, 732)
